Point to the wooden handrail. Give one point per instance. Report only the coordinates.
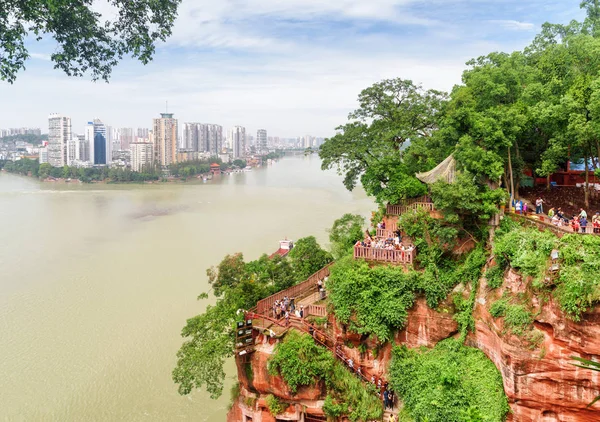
(308, 286)
(318, 336)
(394, 256)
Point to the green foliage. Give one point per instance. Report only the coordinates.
(371, 300)
(86, 41)
(376, 300)
(344, 233)
(240, 163)
(307, 257)
(274, 405)
(301, 362)
(370, 146)
(210, 336)
(30, 138)
(447, 383)
(498, 308)
(528, 251)
(516, 317)
(495, 276)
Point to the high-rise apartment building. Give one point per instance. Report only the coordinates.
(261, 140)
(165, 132)
(237, 141)
(100, 147)
(191, 133)
(82, 149)
(143, 133)
(142, 155)
(59, 133)
(43, 154)
(202, 137)
(126, 137)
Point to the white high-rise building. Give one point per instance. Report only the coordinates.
(126, 137)
(82, 149)
(71, 151)
(43, 154)
(59, 133)
(142, 155)
(237, 141)
(261, 140)
(191, 132)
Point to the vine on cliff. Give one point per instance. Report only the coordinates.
(451, 382)
(301, 362)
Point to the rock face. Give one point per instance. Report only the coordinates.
(540, 381)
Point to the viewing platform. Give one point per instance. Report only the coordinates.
(407, 205)
(387, 256)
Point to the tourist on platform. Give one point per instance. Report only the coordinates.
(392, 418)
(391, 399)
(386, 399)
(301, 311)
(582, 213)
(519, 207)
(556, 221)
(583, 223)
(524, 206)
(539, 208)
(373, 379)
(551, 213)
(596, 222)
(350, 363)
(287, 318)
(575, 224)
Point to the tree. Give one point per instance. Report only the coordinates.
(344, 233)
(392, 114)
(239, 163)
(229, 273)
(86, 41)
(307, 257)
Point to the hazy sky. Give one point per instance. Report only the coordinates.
(293, 67)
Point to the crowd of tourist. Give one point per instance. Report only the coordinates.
(286, 307)
(391, 243)
(579, 222)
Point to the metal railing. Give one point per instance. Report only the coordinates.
(392, 256)
(306, 287)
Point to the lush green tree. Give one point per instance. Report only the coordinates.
(369, 148)
(448, 383)
(85, 40)
(230, 272)
(307, 257)
(239, 163)
(344, 233)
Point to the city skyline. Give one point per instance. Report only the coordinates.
(292, 67)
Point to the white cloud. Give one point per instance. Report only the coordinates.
(514, 25)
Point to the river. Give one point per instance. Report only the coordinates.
(96, 282)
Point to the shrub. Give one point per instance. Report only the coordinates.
(300, 361)
(499, 308)
(274, 405)
(447, 383)
(301, 364)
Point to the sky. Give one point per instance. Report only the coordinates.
(293, 67)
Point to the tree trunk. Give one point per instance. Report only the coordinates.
(548, 182)
(512, 179)
(587, 182)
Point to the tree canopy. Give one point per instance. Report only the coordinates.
(86, 41)
(532, 110)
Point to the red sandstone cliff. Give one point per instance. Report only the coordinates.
(539, 380)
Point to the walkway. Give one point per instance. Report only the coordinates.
(300, 324)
